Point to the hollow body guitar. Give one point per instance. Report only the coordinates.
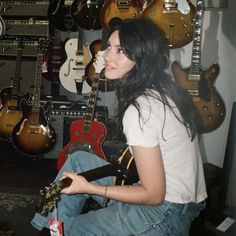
(124, 170)
(85, 133)
(10, 111)
(72, 71)
(176, 26)
(33, 135)
(199, 82)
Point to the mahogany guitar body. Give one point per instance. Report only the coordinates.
(211, 108)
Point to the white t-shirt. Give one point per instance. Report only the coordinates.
(182, 160)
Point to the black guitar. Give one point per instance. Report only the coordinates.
(124, 170)
(59, 15)
(33, 135)
(86, 14)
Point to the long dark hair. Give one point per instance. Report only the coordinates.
(143, 42)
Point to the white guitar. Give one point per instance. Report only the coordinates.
(72, 71)
(2, 23)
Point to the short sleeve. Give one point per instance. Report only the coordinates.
(143, 130)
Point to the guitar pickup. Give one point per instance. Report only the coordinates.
(123, 4)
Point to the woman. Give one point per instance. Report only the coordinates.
(160, 125)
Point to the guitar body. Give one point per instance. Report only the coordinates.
(33, 135)
(94, 48)
(72, 71)
(121, 9)
(177, 27)
(10, 112)
(59, 16)
(90, 141)
(210, 105)
(86, 14)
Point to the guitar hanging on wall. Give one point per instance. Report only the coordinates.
(33, 135)
(85, 133)
(60, 17)
(177, 27)
(10, 112)
(86, 14)
(72, 71)
(121, 9)
(199, 82)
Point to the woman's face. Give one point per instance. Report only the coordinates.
(117, 64)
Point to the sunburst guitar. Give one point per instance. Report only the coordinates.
(176, 26)
(33, 135)
(121, 9)
(199, 82)
(10, 111)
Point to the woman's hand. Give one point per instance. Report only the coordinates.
(79, 184)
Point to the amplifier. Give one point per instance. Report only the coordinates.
(24, 8)
(8, 47)
(28, 27)
(62, 114)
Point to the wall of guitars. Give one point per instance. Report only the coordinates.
(48, 49)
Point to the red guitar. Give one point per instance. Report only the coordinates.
(86, 134)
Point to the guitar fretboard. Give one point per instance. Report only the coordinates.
(197, 38)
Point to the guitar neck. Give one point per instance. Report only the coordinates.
(197, 38)
(37, 83)
(16, 79)
(91, 104)
(93, 174)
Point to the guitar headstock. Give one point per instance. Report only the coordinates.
(20, 43)
(43, 44)
(99, 63)
(50, 196)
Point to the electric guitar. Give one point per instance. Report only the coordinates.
(60, 17)
(87, 134)
(124, 170)
(71, 73)
(120, 8)
(10, 112)
(177, 27)
(86, 14)
(199, 82)
(33, 135)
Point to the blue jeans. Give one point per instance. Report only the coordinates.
(117, 218)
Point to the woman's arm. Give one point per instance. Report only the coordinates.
(151, 189)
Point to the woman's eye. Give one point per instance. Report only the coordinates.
(120, 50)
